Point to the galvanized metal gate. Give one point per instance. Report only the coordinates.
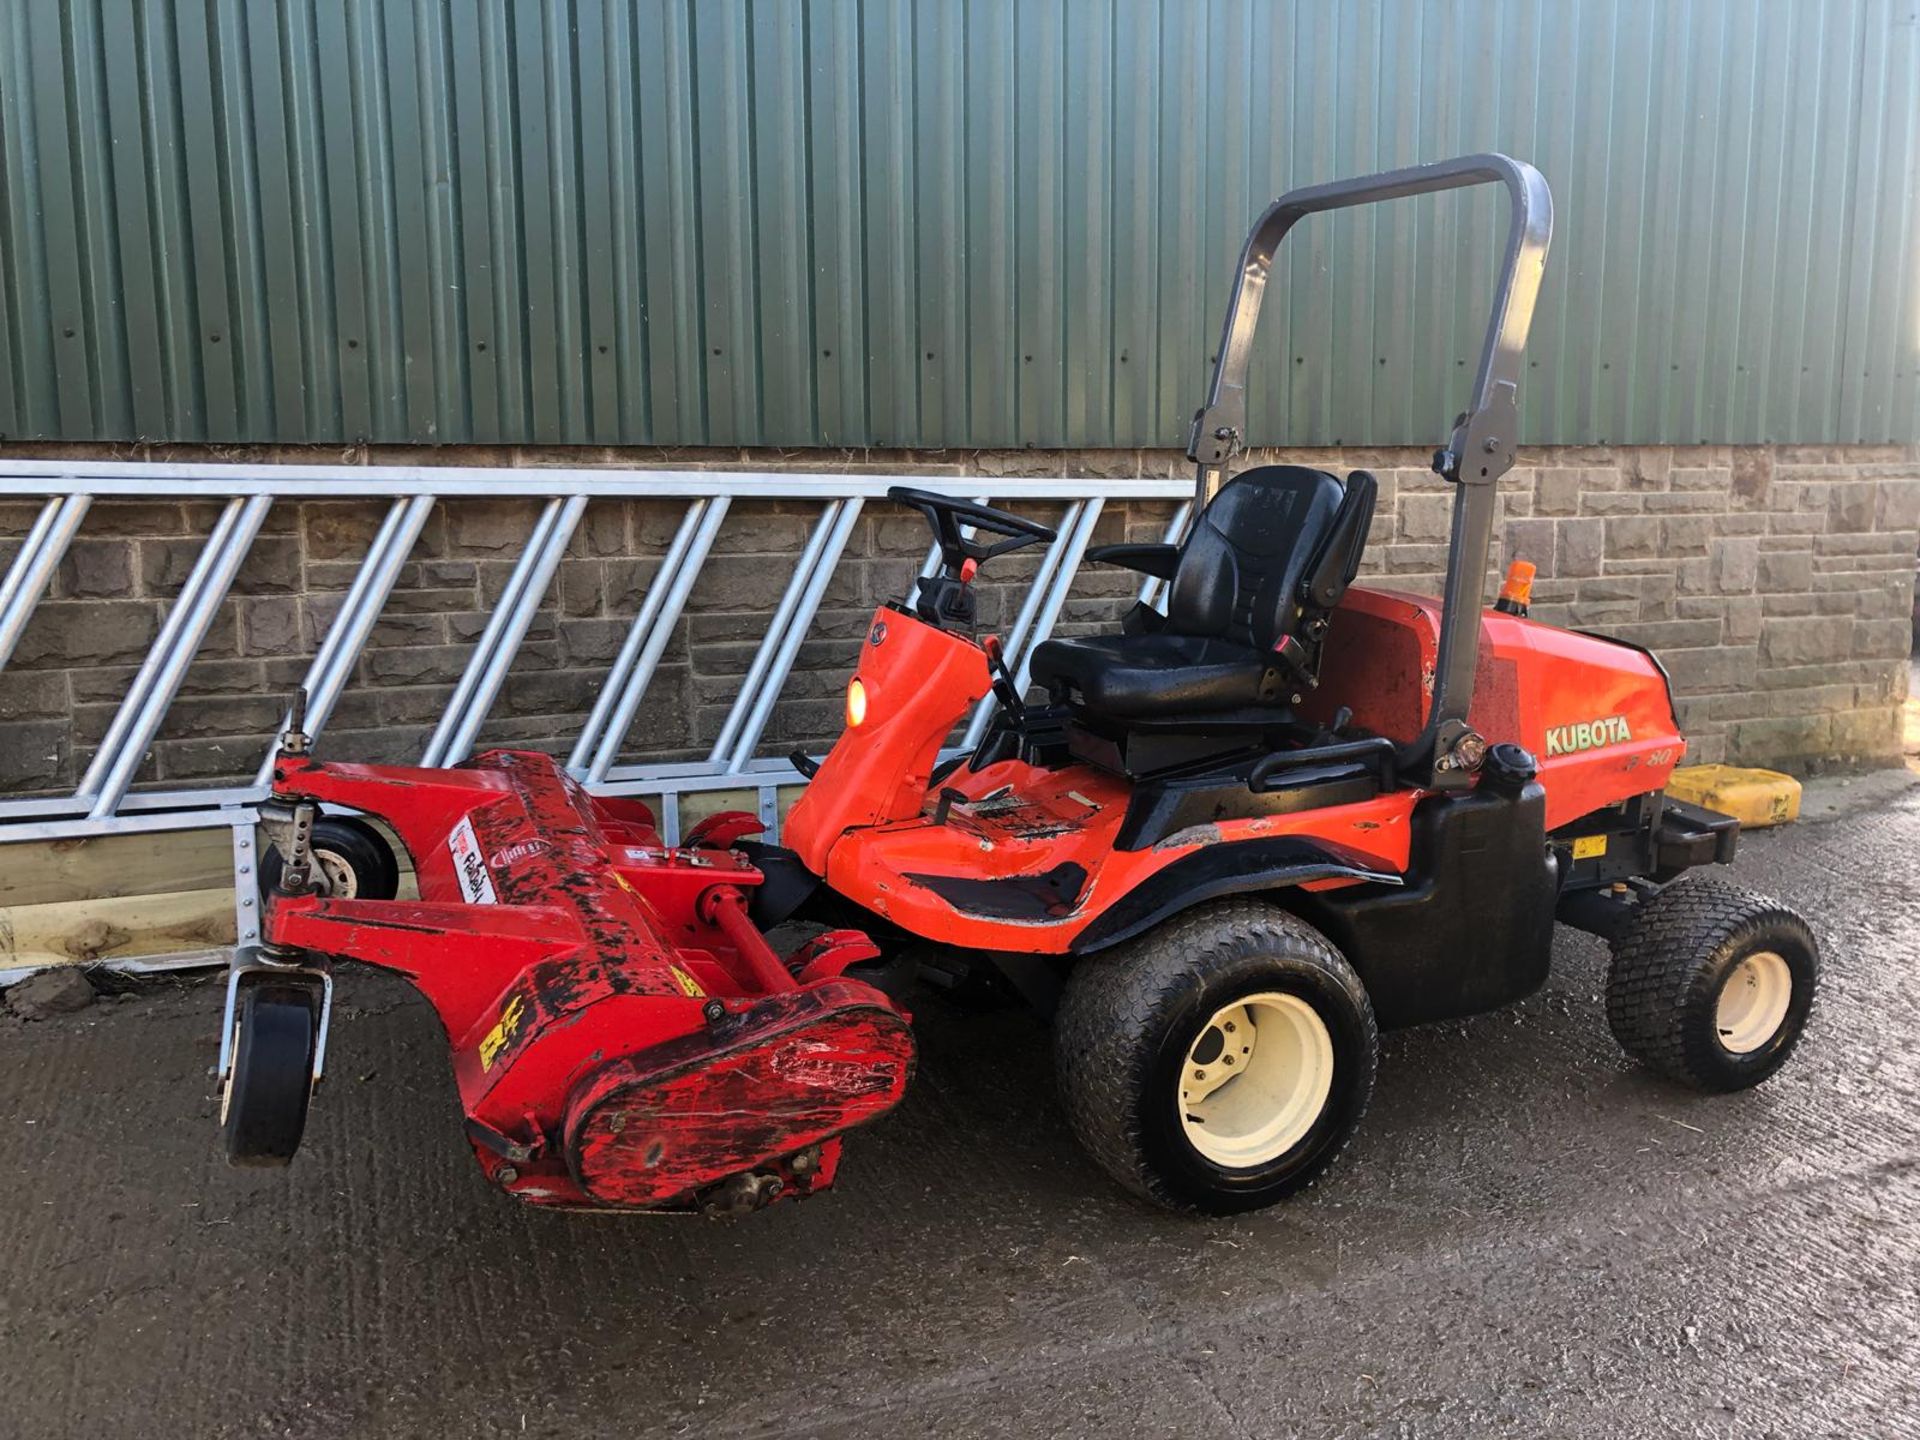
(106, 801)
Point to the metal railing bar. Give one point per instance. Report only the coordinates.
(676, 769)
(804, 571)
(767, 694)
(766, 772)
(1154, 590)
(346, 638)
(40, 478)
(453, 738)
(618, 674)
(166, 822)
(144, 710)
(29, 552)
(246, 886)
(658, 631)
(1074, 547)
(469, 683)
(200, 801)
(32, 569)
(49, 818)
(648, 636)
(1014, 644)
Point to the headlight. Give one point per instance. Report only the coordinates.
(856, 703)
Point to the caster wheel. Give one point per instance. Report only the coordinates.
(263, 1105)
(1220, 1062)
(1711, 985)
(351, 861)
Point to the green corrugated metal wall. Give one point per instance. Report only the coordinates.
(945, 223)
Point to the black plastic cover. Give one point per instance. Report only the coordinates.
(1472, 927)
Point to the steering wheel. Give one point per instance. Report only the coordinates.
(946, 515)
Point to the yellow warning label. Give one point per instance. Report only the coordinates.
(1586, 847)
(502, 1033)
(687, 984)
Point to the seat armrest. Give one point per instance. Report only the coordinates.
(1158, 561)
(1337, 561)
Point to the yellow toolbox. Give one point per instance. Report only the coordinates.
(1756, 798)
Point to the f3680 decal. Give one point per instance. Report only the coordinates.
(1587, 735)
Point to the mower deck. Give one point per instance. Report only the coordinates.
(622, 1034)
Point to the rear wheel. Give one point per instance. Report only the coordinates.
(1221, 1062)
(351, 860)
(1711, 985)
(263, 1104)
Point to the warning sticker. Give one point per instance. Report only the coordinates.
(1585, 847)
(497, 1039)
(689, 986)
(470, 865)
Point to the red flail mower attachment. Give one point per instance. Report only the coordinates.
(623, 1035)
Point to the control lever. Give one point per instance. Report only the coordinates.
(1330, 731)
(1004, 689)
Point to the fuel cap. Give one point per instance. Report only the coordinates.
(1508, 767)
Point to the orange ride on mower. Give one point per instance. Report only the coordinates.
(1234, 841)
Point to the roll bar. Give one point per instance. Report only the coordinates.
(1481, 449)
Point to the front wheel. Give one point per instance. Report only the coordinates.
(351, 861)
(1219, 1063)
(263, 1103)
(1711, 985)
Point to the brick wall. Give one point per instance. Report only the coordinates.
(1775, 582)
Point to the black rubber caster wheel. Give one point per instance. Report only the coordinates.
(351, 861)
(263, 1105)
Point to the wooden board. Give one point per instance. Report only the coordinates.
(48, 872)
(80, 932)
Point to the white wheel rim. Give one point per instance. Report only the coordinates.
(341, 882)
(1753, 1002)
(1255, 1080)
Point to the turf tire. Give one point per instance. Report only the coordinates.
(1129, 1016)
(1670, 963)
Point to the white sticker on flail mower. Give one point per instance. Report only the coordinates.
(470, 865)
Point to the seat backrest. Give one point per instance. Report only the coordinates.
(1241, 570)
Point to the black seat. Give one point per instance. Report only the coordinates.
(1246, 611)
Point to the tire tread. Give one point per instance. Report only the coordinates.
(1659, 960)
(1108, 1011)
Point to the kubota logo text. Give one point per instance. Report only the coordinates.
(1587, 735)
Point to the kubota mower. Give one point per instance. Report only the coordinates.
(1233, 841)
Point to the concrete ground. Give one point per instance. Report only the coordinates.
(1530, 1236)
